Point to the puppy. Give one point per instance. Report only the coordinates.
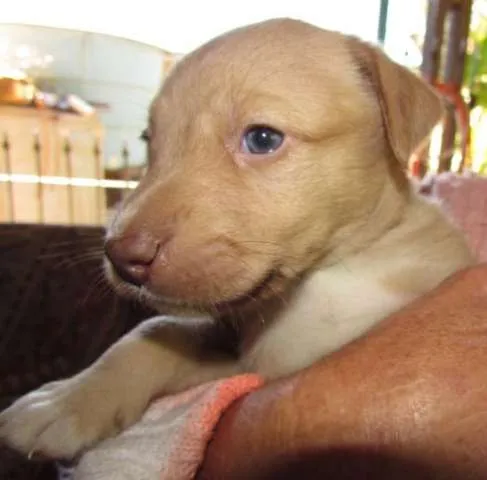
(275, 223)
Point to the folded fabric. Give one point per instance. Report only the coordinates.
(464, 198)
(169, 442)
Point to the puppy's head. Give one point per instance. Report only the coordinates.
(270, 149)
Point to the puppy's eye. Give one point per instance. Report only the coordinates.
(260, 140)
(145, 135)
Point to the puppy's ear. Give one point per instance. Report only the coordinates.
(410, 108)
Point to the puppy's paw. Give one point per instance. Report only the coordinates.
(63, 418)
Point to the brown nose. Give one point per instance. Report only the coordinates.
(132, 256)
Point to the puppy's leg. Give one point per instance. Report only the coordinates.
(163, 355)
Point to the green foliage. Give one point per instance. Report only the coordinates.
(475, 77)
(483, 168)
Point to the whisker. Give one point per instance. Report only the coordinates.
(69, 263)
(98, 286)
(80, 240)
(49, 255)
(83, 256)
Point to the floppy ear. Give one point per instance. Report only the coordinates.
(410, 108)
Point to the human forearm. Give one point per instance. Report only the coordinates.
(407, 401)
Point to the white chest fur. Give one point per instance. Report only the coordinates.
(333, 307)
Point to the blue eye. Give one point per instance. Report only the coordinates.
(260, 140)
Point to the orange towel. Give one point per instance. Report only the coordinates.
(169, 442)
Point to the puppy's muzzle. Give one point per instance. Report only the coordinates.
(132, 256)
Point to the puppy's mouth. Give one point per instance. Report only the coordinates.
(270, 286)
(261, 291)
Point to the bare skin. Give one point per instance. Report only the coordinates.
(407, 401)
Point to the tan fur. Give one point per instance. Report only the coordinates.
(330, 215)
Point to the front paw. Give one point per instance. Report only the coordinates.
(63, 418)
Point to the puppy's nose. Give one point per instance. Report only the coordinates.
(132, 256)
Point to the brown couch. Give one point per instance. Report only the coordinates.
(57, 314)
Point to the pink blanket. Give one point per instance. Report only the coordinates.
(169, 442)
(464, 198)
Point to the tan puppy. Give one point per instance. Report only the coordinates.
(275, 218)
